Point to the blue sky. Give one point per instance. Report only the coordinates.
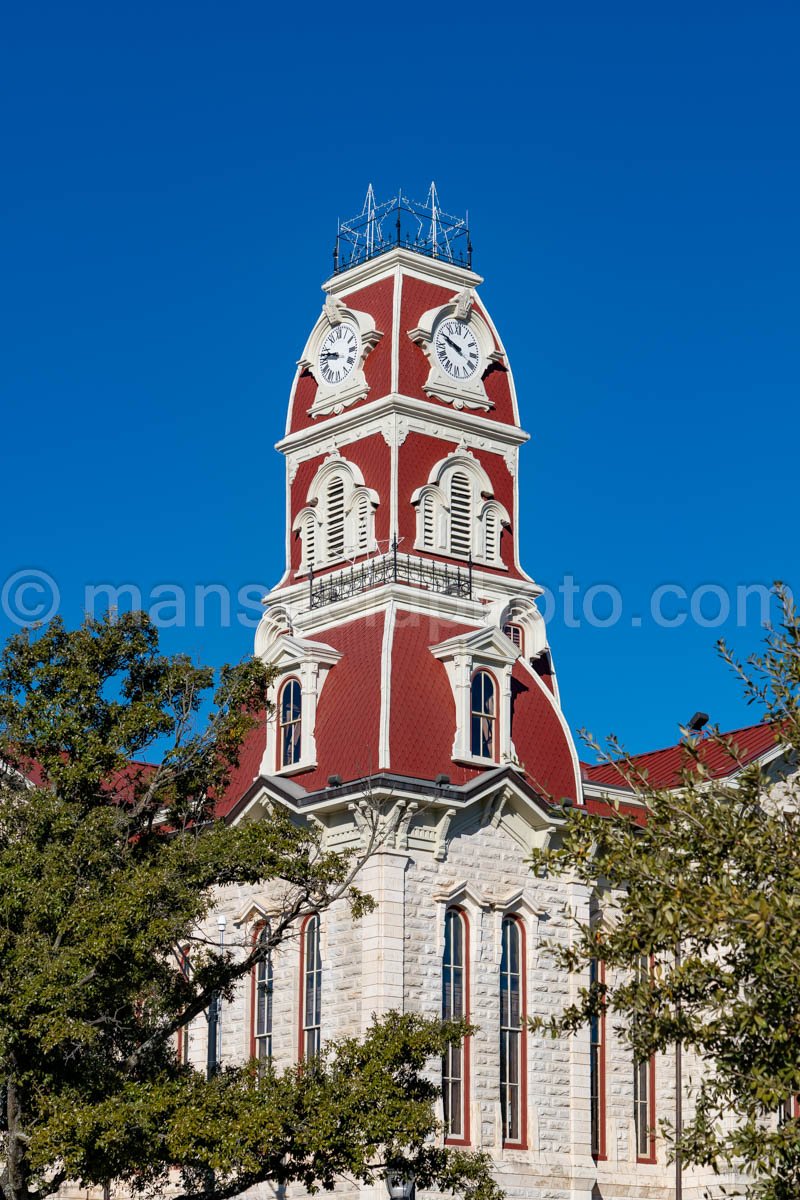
(172, 179)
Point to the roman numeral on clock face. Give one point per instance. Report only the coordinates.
(338, 353)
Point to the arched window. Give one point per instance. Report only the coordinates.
(455, 1007)
(644, 1078)
(512, 1034)
(597, 1065)
(483, 716)
(262, 1004)
(311, 990)
(185, 969)
(290, 723)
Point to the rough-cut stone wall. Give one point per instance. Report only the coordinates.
(391, 959)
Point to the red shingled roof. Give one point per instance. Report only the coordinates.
(663, 767)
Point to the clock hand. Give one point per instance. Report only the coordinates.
(455, 346)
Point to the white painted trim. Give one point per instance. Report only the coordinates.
(397, 300)
(492, 593)
(384, 732)
(434, 270)
(457, 423)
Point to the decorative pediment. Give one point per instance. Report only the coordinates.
(459, 893)
(289, 653)
(253, 913)
(488, 645)
(521, 900)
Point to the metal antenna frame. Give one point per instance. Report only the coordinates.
(424, 228)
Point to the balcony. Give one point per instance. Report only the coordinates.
(424, 573)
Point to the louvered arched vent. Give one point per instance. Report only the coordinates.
(460, 515)
(427, 521)
(490, 546)
(335, 518)
(362, 524)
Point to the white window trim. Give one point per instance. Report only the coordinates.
(310, 662)
(462, 656)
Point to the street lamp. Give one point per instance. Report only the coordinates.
(400, 1183)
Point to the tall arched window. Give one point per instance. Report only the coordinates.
(483, 716)
(460, 515)
(262, 1004)
(512, 1033)
(185, 968)
(455, 1007)
(597, 1065)
(644, 1079)
(311, 990)
(290, 723)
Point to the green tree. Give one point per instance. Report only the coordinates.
(709, 888)
(107, 866)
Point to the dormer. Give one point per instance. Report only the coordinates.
(479, 667)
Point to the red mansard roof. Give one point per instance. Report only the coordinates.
(388, 679)
(663, 767)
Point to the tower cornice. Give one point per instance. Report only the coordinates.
(356, 419)
(437, 270)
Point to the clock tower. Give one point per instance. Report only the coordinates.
(415, 722)
(405, 631)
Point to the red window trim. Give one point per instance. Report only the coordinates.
(280, 726)
(650, 1157)
(602, 1149)
(253, 981)
(522, 1143)
(182, 1035)
(495, 756)
(301, 1038)
(464, 1140)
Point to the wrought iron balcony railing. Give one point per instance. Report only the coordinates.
(443, 578)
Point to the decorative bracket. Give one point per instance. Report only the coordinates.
(443, 828)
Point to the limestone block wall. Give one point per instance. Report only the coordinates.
(391, 959)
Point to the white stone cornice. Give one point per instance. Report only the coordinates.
(422, 416)
(437, 270)
(492, 592)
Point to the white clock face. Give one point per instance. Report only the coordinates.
(338, 353)
(456, 349)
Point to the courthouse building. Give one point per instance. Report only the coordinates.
(415, 678)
